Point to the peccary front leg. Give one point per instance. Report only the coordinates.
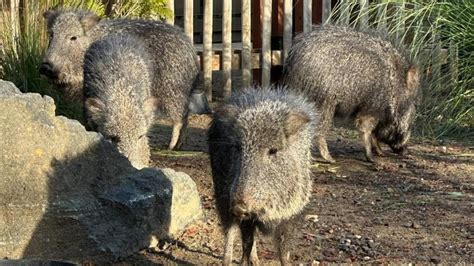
(282, 234)
(229, 244)
(249, 250)
(178, 134)
(365, 126)
(376, 145)
(325, 122)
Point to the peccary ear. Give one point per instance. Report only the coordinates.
(50, 16)
(294, 122)
(95, 108)
(413, 78)
(88, 20)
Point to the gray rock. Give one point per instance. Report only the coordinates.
(68, 194)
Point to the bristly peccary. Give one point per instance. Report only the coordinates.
(259, 145)
(172, 56)
(356, 75)
(118, 84)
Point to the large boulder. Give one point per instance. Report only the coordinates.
(68, 194)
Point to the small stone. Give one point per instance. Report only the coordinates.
(435, 260)
(358, 236)
(389, 190)
(312, 218)
(415, 225)
(331, 231)
(366, 258)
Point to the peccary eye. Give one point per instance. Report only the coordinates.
(73, 38)
(114, 139)
(272, 151)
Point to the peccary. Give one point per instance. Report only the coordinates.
(259, 145)
(118, 83)
(357, 75)
(171, 53)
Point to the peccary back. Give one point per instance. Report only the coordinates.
(356, 75)
(259, 144)
(118, 82)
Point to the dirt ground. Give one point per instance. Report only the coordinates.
(418, 208)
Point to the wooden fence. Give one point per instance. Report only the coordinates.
(242, 56)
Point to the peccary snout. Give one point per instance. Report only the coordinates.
(47, 69)
(240, 210)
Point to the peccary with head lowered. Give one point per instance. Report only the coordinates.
(356, 75)
(171, 54)
(259, 145)
(118, 84)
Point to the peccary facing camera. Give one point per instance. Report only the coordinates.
(171, 53)
(356, 75)
(259, 145)
(118, 83)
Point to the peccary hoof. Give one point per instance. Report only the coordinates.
(198, 103)
(35, 263)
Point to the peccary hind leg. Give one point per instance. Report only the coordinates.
(365, 125)
(325, 122)
(249, 249)
(178, 134)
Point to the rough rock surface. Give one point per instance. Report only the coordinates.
(68, 194)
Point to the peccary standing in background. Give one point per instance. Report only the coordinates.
(356, 75)
(259, 144)
(118, 84)
(171, 53)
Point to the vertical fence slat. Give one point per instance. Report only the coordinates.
(266, 42)
(170, 5)
(307, 15)
(227, 47)
(326, 10)
(207, 48)
(287, 27)
(246, 42)
(363, 13)
(189, 18)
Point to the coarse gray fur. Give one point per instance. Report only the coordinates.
(171, 53)
(259, 145)
(356, 75)
(118, 83)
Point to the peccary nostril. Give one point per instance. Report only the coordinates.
(240, 210)
(47, 69)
